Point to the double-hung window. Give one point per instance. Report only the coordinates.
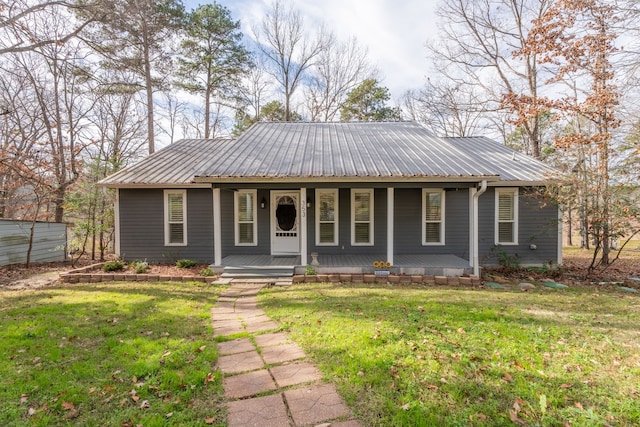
(432, 217)
(175, 217)
(245, 218)
(506, 226)
(326, 217)
(362, 217)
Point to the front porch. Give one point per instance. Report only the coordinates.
(432, 265)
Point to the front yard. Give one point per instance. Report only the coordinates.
(421, 357)
(118, 354)
(133, 353)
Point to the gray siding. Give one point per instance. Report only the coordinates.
(538, 225)
(344, 225)
(408, 223)
(142, 226)
(228, 225)
(49, 242)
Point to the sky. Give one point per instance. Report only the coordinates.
(395, 31)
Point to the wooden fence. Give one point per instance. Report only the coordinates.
(49, 241)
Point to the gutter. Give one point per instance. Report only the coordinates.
(475, 250)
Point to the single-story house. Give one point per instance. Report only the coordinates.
(340, 196)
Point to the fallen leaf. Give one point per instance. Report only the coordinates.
(169, 415)
(31, 412)
(122, 403)
(461, 331)
(24, 398)
(565, 386)
(209, 420)
(165, 334)
(134, 379)
(507, 377)
(67, 405)
(166, 353)
(421, 309)
(145, 404)
(513, 415)
(127, 423)
(405, 407)
(92, 390)
(201, 349)
(209, 378)
(578, 405)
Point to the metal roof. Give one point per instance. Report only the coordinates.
(510, 164)
(368, 151)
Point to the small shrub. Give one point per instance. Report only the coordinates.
(113, 266)
(310, 271)
(185, 263)
(207, 271)
(141, 267)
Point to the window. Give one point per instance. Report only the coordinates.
(362, 217)
(432, 217)
(245, 217)
(175, 217)
(506, 216)
(326, 217)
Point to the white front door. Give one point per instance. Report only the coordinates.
(285, 222)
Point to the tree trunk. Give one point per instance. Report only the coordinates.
(149, 90)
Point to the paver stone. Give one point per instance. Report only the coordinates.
(315, 404)
(249, 384)
(267, 411)
(295, 373)
(240, 362)
(282, 353)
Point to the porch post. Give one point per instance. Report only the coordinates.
(116, 223)
(390, 210)
(217, 228)
(472, 224)
(303, 226)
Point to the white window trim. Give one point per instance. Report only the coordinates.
(425, 191)
(166, 216)
(353, 216)
(236, 222)
(336, 228)
(516, 216)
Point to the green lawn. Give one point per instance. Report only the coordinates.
(406, 356)
(109, 354)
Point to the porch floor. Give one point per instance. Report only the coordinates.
(445, 264)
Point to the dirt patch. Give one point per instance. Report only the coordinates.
(575, 272)
(19, 277)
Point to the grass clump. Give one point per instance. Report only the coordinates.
(110, 354)
(207, 271)
(185, 263)
(140, 267)
(113, 266)
(408, 356)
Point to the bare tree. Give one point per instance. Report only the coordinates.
(339, 68)
(288, 49)
(477, 41)
(447, 108)
(21, 23)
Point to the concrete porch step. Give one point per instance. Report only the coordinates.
(240, 272)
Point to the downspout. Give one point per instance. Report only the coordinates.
(476, 196)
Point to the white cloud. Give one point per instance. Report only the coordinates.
(394, 31)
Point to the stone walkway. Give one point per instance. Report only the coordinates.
(267, 381)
